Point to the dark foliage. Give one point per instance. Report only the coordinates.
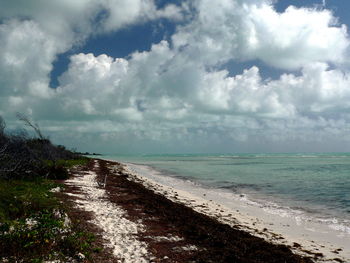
(24, 157)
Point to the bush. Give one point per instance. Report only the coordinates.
(57, 173)
(23, 157)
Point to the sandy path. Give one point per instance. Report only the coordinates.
(120, 233)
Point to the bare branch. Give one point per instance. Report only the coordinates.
(3, 149)
(2, 125)
(28, 122)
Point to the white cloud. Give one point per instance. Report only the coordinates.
(174, 92)
(147, 82)
(95, 81)
(312, 105)
(27, 54)
(121, 13)
(33, 33)
(76, 18)
(245, 30)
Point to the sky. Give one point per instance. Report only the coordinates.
(179, 76)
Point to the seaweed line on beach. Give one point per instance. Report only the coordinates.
(200, 238)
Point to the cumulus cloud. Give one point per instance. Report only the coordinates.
(215, 105)
(147, 83)
(27, 54)
(33, 33)
(245, 30)
(175, 92)
(121, 13)
(83, 17)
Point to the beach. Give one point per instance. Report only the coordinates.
(141, 220)
(181, 131)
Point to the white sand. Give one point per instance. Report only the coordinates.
(277, 228)
(119, 232)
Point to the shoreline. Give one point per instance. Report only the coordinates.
(164, 224)
(305, 237)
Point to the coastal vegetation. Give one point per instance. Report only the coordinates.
(34, 225)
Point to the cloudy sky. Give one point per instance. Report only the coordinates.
(179, 76)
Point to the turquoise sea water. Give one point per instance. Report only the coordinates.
(318, 184)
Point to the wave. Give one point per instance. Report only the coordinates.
(226, 192)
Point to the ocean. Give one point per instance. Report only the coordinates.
(309, 187)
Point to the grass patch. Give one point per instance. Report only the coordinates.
(34, 226)
(21, 198)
